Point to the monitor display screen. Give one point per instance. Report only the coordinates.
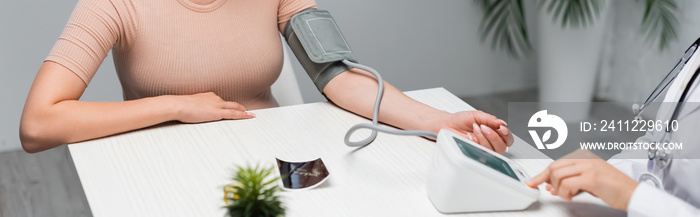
(485, 158)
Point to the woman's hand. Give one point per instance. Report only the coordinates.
(480, 127)
(569, 177)
(205, 107)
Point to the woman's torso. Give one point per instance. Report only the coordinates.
(229, 47)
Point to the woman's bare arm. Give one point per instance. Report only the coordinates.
(53, 114)
(356, 90)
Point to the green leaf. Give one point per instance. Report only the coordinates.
(659, 22)
(503, 22)
(255, 194)
(573, 13)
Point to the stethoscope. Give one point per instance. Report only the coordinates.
(660, 159)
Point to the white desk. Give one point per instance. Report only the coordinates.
(179, 169)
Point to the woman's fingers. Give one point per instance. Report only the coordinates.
(472, 137)
(496, 125)
(483, 141)
(233, 105)
(505, 134)
(235, 114)
(234, 110)
(205, 107)
(468, 135)
(497, 143)
(485, 118)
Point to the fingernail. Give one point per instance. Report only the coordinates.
(473, 137)
(486, 129)
(504, 122)
(470, 137)
(504, 131)
(476, 128)
(250, 114)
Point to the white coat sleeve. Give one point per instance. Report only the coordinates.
(650, 201)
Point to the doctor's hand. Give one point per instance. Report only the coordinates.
(480, 127)
(569, 177)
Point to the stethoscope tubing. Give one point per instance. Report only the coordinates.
(662, 160)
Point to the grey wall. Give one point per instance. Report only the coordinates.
(28, 30)
(634, 67)
(418, 44)
(414, 44)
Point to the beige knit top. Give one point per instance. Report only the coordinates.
(174, 47)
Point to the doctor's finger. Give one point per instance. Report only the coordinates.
(539, 178)
(570, 187)
(562, 163)
(559, 175)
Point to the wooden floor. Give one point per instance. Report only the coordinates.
(42, 184)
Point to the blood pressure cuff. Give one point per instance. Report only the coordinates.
(318, 44)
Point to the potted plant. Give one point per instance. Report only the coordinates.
(570, 41)
(254, 193)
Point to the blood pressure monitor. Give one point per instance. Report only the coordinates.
(466, 177)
